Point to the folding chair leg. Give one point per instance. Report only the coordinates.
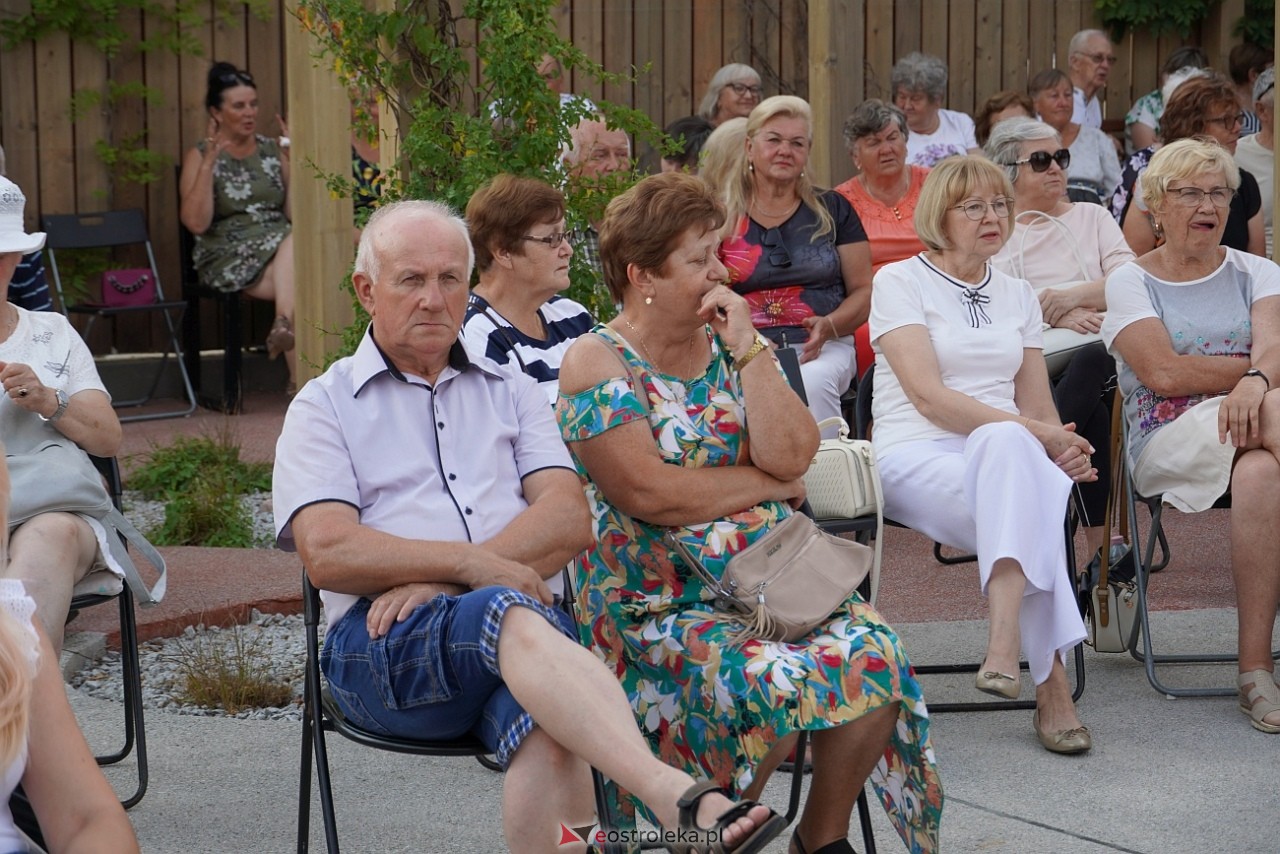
(797, 777)
(864, 819)
(304, 778)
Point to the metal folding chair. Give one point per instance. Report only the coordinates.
(113, 229)
(866, 392)
(1144, 568)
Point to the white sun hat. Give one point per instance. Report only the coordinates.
(13, 236)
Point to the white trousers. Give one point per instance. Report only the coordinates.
(827, 377)
(997, 494)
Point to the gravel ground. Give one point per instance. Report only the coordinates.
(270, 644)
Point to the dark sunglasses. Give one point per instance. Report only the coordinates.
(1040, 160)
(779, 255)
(233, 77)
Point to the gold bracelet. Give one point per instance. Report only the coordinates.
(834, 331)
(755, 350)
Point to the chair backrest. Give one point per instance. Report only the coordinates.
(103, 229)
(862, 404)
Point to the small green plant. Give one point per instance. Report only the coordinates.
(1258, 24)
(201, 479)
(1120, 16)
(228, 670)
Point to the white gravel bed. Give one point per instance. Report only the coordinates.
(146, 515)
(277, 644)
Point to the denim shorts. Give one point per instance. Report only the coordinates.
(434, 675)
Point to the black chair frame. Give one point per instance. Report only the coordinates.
(1142, 627)
(230, 399)
(107, 229)
(863, 408)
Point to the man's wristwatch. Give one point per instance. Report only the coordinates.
(1254, 372)
(63, 403)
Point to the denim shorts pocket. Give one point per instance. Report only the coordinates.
(410, 664)
(354, 710)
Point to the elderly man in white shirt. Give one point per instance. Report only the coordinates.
(430, 497)
(1090, 58)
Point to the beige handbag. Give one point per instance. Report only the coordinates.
(788, 582)
(1113, 605)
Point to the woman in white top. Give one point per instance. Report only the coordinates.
(1095, 167)
(919, 85)
(1195, 329)
(970, 448)
(40, 744)
(1065, 250)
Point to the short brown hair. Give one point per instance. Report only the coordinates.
(502, 211)
(642, 225)
(997, 103)
(1046, 79)
(949, 183)
(1195, 102)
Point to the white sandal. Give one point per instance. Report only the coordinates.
(1260, 700)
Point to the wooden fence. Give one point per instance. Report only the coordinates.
(988, 44)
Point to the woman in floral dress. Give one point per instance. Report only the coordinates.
(235, 200)
(697, 467)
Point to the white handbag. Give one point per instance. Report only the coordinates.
(843, 483)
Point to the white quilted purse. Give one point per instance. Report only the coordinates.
(843, 483)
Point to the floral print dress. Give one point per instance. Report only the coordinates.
(248, 219)
(705, 702)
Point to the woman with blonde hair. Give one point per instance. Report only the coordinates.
(722, 154)
(798, 255)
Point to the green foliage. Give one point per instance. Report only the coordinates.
(104, 25)
(414, 60)
(80, 271)
(229, 670)
(1258, 24)
(1120, 16)
(202, 480)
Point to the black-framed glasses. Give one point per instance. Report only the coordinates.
(744, 88)
(778, 253)
(976, 209)
(551, 241)
(1192, 197)
(1234, 120)
(1040, 160)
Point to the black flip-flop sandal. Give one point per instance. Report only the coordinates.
(765, 832)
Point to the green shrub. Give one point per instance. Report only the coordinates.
(172, 469)
(208, 512)
(228, 670)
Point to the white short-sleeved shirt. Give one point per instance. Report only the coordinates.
(49, 344)
(978, 361)
(1041, 253)
(1260, 163)
(442, 462)
(1209, 316)
(954, 136)
(1094, 161)
(1086, 114)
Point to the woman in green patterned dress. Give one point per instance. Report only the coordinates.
(235, 200)
(696, 465)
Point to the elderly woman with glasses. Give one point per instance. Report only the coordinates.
(1195, 329)
(235, 200)
(734, 91)
(969, 444)
(1202, 106)
(1064, 250)
(919, 86)
(1094, 171)
(883, 193)
(798, 255)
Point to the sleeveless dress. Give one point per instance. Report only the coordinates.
(248, 219)
(706, 703)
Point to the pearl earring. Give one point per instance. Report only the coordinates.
(648, 300)
(751, 167)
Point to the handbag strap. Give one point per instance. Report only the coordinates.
(867, 452)
(1115, 495)
(1019, 257)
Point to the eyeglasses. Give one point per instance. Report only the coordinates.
(1099, 58)
(743, 88)
(551, 241)
(1234, 120)
(976, 209)
(779, 255)
(1192, 197)
(1040, 160)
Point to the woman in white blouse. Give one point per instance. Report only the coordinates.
(1095, 166)
(969, 444)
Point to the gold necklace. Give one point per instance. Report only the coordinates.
(787, 212)
(897, 197)
(688, 368)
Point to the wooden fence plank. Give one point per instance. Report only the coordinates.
(793, 57)
(907, 26)
(708, 46)
(880, 47)
(164, 136)
(648, 50)
(737, 36)
(588, 36)
(57, 144)
(18, 121)
(765, 36)
(619, 51)
(935, 25)
(677, 60)
(832, 27)
(229, 37)
(1040, 31)
(89, 80)
(264, 45)
(988, 37)
(961, 63)
(1015, 48)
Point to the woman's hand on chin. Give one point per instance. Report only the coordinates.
(730, 318)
